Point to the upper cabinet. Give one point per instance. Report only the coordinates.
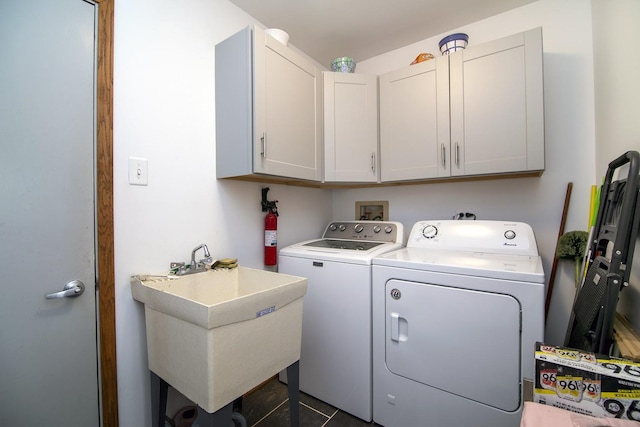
(497, 111)
(475, 112)
(414, 122)
(350, 127)
(268, 109)
(478, 111)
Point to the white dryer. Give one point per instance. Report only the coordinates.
(456, 315)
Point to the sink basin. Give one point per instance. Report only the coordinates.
(215, 335)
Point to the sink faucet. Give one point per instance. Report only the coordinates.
(180, 269)
(207, 255)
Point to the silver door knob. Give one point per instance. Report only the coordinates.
(72, 289)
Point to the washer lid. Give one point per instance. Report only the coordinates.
(347, 245)
(499, 266)
(319, 249)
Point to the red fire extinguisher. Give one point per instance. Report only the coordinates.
(270, 229)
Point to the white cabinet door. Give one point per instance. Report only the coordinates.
(287, 137)
(497, 116)
(414, 121)
(268, 109)
(350, 127)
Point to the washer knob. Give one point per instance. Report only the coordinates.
(376, 229)
(358, 228)
(388, 229)
(342, 227)
(333, 227)
(510, 234)
(430, 231)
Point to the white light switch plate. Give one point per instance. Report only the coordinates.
(138, 171)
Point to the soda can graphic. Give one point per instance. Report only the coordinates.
(548, 378)
(591, 389)
(569, 387)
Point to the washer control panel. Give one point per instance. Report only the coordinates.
(375, 231)
(504, 237)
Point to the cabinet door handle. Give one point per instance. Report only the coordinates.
(444, 162)
(264, 144)
(457, 155)
(373, 163)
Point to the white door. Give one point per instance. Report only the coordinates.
(350, 127)
(497, 111)
(414, 122)
(460, 341)
(287, 107)
(48, 356)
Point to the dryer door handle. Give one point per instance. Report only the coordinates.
(395, 332)
(399, 328)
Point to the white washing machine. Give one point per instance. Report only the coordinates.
(336, 359)
(456, 315)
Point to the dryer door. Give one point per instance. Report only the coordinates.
(460, 341)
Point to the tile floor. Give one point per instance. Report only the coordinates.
(268, 406)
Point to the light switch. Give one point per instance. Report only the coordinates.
(138, 171)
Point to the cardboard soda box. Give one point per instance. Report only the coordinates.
(586, 383)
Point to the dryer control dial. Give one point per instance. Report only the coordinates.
(430, 231)
(510, 234)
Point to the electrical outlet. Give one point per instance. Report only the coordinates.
(463, 214)
(138, 171)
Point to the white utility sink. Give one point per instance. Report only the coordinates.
(215, 335)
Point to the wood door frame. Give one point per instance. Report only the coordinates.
(104, 214)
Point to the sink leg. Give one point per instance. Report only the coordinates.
(159, 390)
(293, 386)
(220, 418)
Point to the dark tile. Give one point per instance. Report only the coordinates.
(263, 400)
(317, 404)
(268, 406)
(280, 417)
(342, 419)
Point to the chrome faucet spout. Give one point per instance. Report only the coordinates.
(196, 249)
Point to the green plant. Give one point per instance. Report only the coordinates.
(572, 245)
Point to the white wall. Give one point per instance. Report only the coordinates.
(617, 95)
(164, 109)
(569, 138)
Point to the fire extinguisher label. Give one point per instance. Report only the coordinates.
(271, 238)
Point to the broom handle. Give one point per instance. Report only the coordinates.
(552, 277)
